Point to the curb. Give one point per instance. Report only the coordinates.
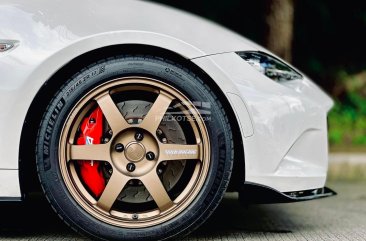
(347, 166)
(352, 158)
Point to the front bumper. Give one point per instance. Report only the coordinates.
(284, 125)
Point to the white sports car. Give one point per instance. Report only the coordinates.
(137, 118)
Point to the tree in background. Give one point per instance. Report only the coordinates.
(279, 18)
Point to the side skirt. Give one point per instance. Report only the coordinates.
(10, 199)
(9, 185)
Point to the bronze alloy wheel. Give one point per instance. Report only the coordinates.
(139, 153)
(134, 148)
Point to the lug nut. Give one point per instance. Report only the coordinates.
(150, 156)
(119, 147)
(139, 136)
(130, 167)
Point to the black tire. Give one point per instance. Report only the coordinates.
(173, 74)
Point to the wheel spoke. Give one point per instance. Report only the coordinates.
(110, 111)
(99, 152)
(156, 113)
(114, 187)
(156, 189)
(179, 152)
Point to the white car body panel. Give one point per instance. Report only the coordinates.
(283, 126)
(288, 150)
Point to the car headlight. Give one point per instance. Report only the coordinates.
(270, 66)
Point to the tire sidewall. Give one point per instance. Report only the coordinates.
(123, 66)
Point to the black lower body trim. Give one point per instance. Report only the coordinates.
(252, 193)
(10, 199)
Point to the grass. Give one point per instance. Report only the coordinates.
(347, 120)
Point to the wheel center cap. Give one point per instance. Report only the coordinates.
(135, 151)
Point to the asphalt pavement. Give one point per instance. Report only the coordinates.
(338, 218)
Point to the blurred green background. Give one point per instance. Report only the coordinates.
(326, 39)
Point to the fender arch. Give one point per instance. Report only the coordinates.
(29, 180)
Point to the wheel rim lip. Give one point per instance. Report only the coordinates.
(116, 218)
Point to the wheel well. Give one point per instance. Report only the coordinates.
(27, 161)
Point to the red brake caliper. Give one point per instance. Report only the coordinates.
(91, 133)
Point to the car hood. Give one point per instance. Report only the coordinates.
(54, 24)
